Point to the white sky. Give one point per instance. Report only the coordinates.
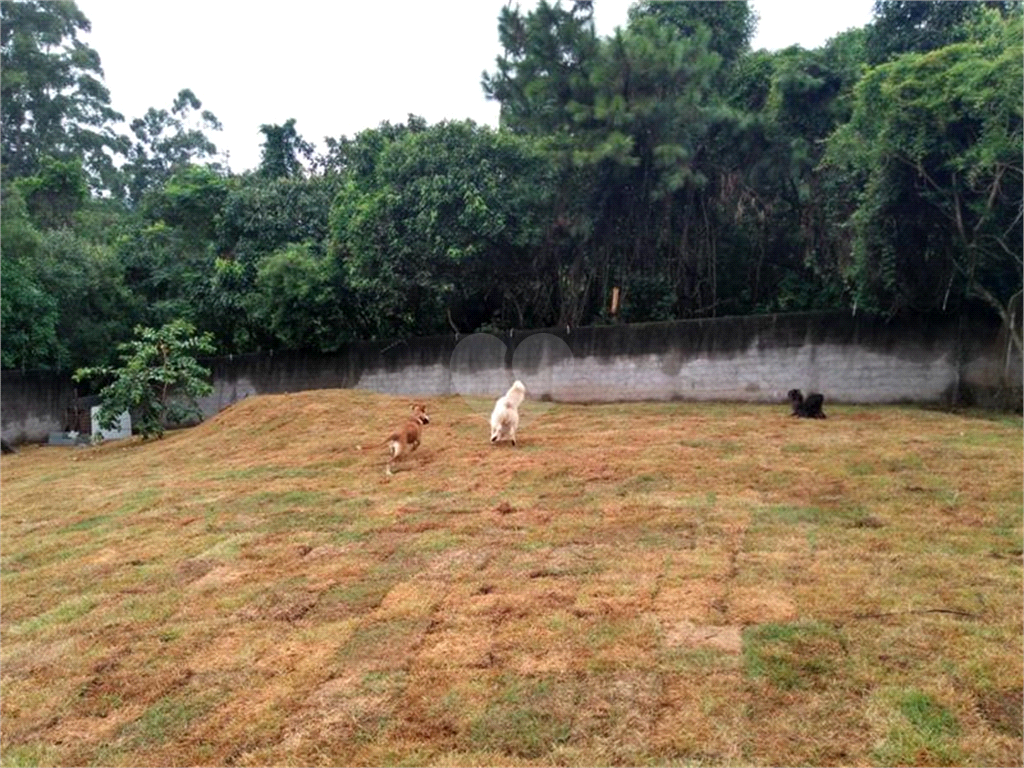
(339, 66)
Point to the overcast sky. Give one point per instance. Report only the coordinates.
(339, 66)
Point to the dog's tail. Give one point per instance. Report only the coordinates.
(515, 395)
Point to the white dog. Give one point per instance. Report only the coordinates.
(505, 416)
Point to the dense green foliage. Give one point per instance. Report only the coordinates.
(158, 380)
(878, 173)
(445, 212)
(936, 137)
(53, 101)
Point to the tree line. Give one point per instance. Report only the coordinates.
(667, 165)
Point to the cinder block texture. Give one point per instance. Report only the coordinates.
(938, 360)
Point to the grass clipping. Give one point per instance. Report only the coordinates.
(633, 584)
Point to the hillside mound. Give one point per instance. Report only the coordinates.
(308, 427)
(632, 584)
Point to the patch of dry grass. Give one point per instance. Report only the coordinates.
(633, 584)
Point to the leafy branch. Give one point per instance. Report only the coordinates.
(159, 380)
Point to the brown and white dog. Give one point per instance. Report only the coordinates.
(505, 416)
(406, 438)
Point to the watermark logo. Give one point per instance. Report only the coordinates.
(482, 371)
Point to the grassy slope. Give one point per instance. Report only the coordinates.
(633, 584)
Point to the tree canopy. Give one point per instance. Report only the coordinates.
(936, 138)
(53, 100)
(880, 172)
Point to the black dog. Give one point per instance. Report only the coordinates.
(809, 408)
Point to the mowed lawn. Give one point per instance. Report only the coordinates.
(634, 584)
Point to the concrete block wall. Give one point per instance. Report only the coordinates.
(33, 404)
(755, 359)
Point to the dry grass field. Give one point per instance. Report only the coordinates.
(634, 584)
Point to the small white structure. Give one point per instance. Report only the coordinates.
(122, 428)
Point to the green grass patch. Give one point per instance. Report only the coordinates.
(164, 721)
(978, 438)
(150, 609)
(354, 527)
(525, 719)
(768, 519)
(926, 735)
(357, 596)
(927, 715)
(678, 534)
(278, 472)
(433, 542)
(273, 502)
(791, 448)
(861, 468)
(29, 755)
(606, 632)
(906, 463)
(368, 590)
(270, 425)
(728, 447)
(299, 510)
(695, 661)
(138, 501)
(87, 524)
(793, 656)
(66, 612)
(644, 483)
(384, 681)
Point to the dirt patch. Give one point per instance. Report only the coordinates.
(759, 605)
(459, 647)
(695, 600)
(22, 663)
(190, 570)
(1004, 710)
(409, 599)
(686, 634)
(217, 577)
(96, 728)
(344, 709)
(703, 723)
(228, 651)
(621, 706)
(456, 563)
(554, 661)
